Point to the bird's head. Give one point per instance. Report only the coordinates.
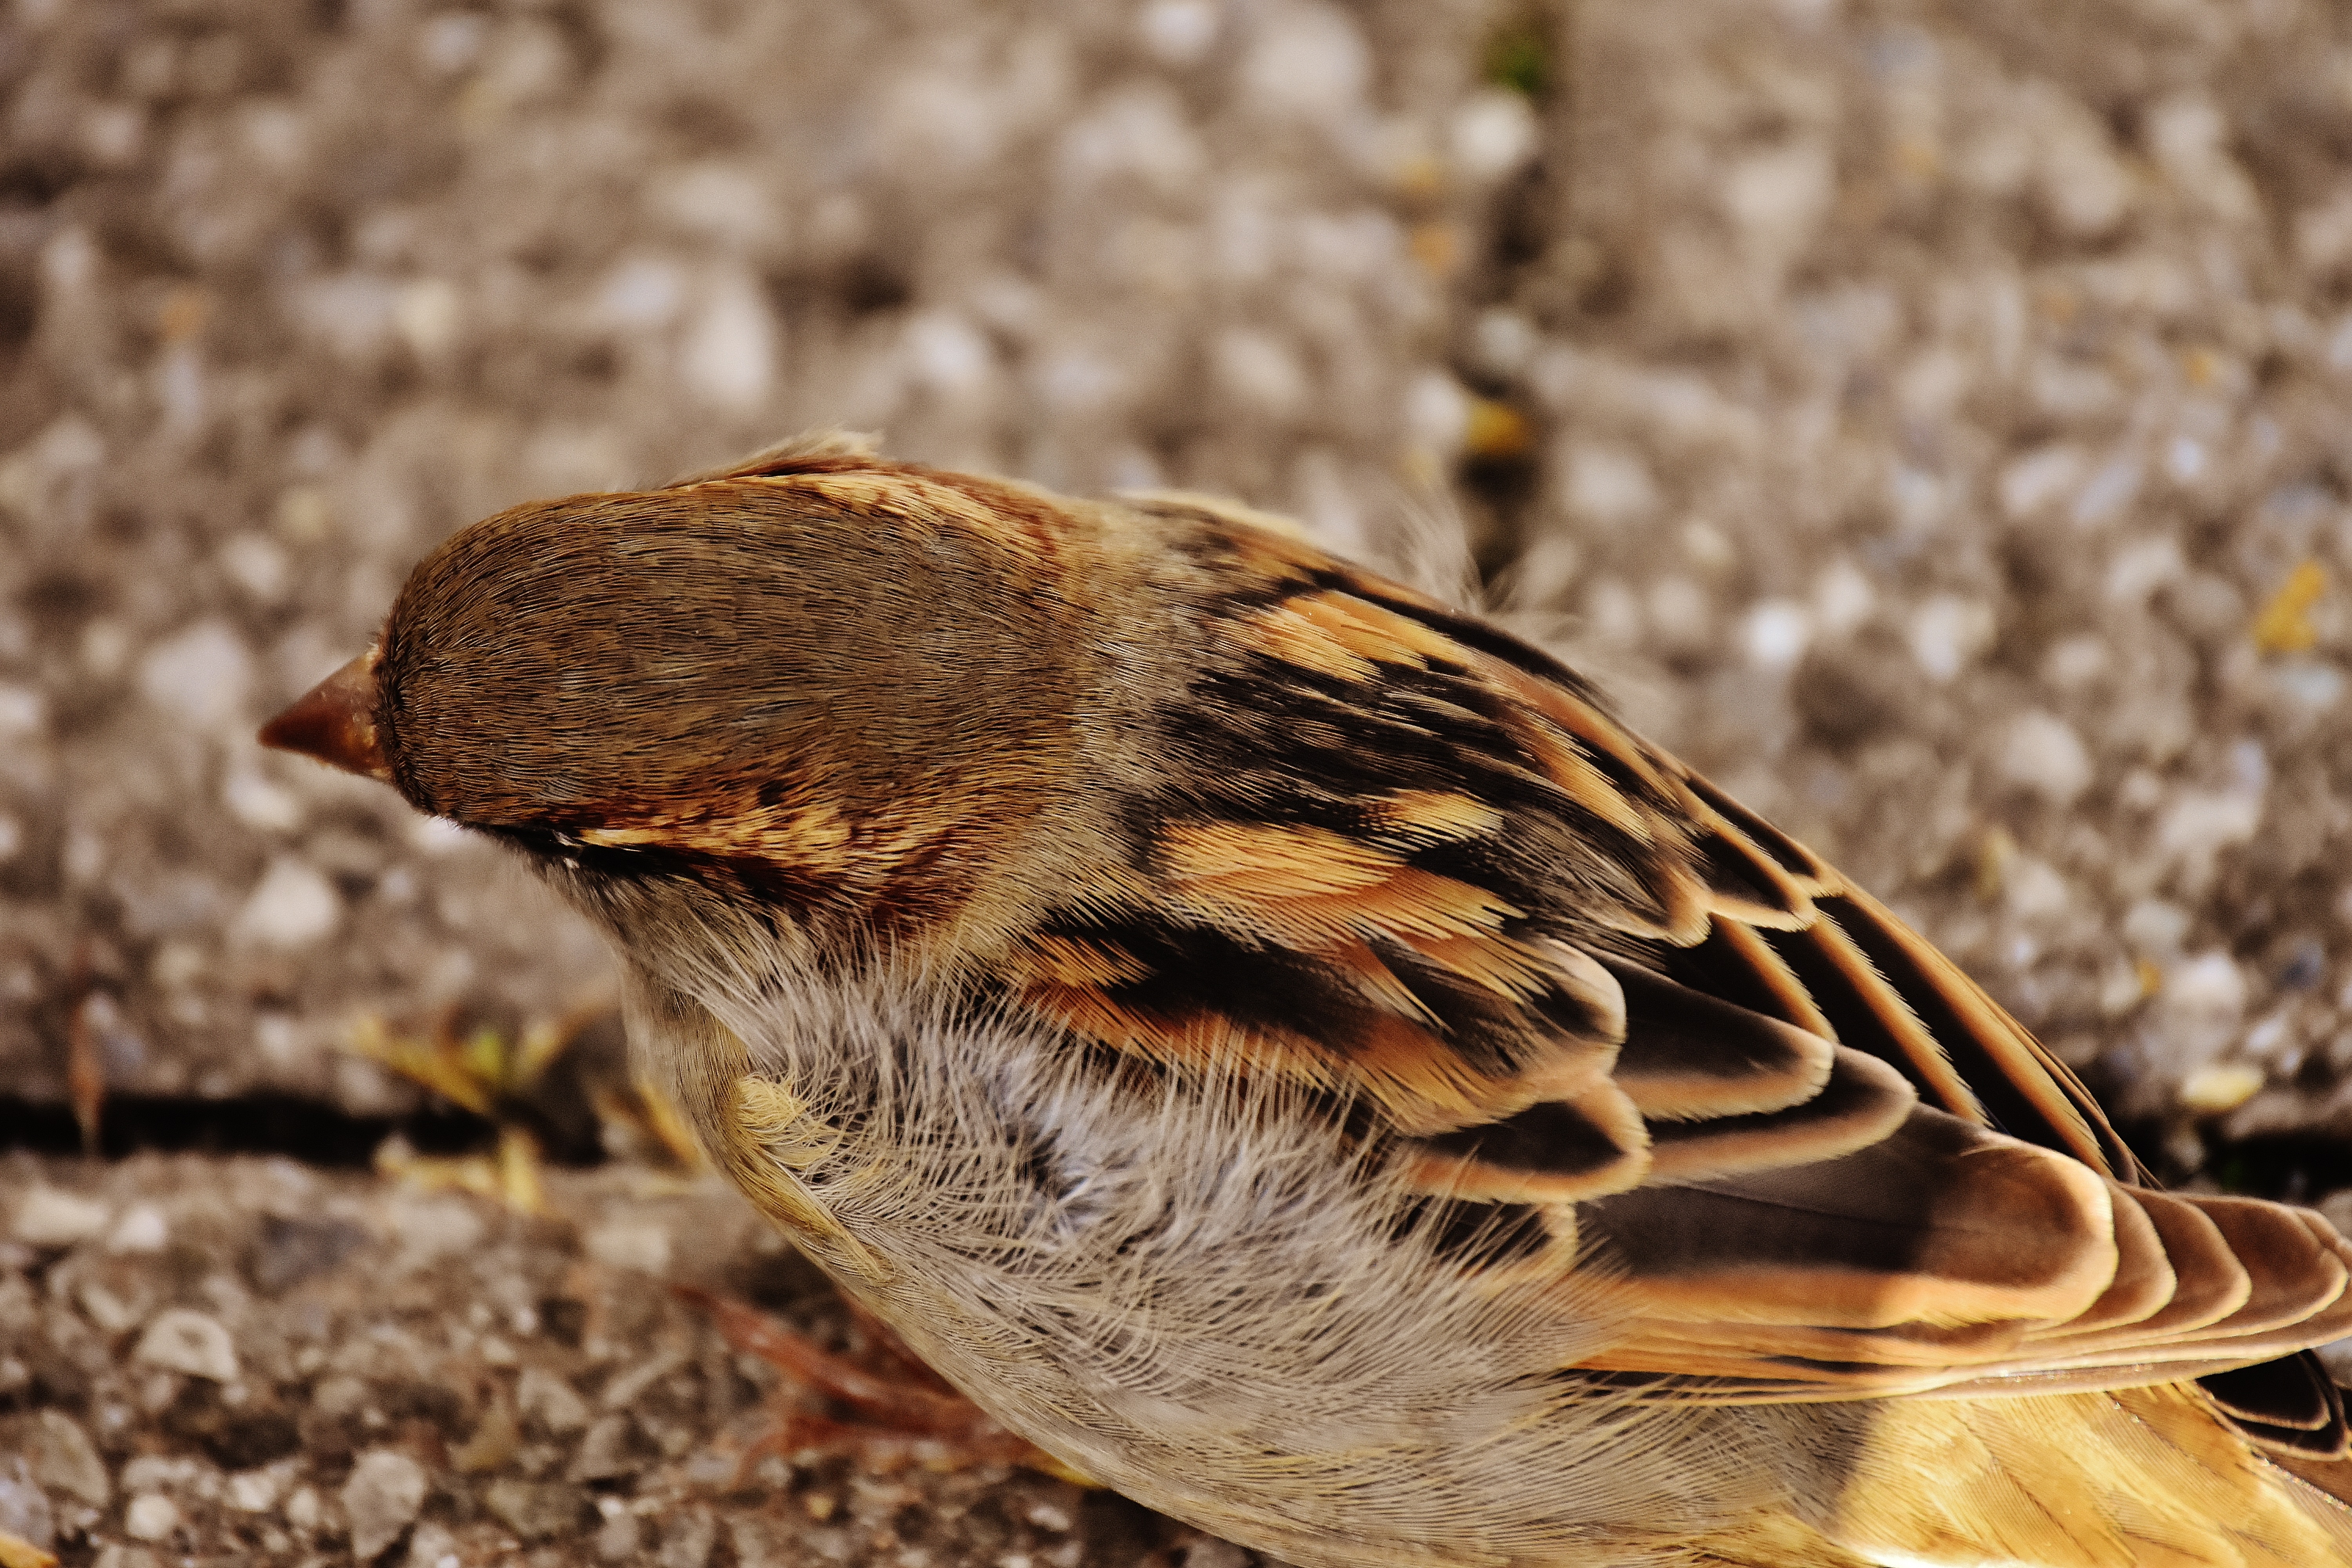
(826, 687)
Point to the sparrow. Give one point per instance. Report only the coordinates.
(1279, 1044)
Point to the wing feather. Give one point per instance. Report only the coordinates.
(1613, 1023)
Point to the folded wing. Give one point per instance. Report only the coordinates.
(1617, 1025)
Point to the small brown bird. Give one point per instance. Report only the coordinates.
(1277, 1043)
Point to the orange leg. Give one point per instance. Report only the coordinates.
(904, 1412)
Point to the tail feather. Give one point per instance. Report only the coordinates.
(2124, 1479)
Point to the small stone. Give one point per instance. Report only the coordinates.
(686, 1540)
(23, 710)
(302, 1509)
(761, 1543)
(255, 1491)
(111, 1312)
(1776, 634)
(547, 1403)
(24, 1510)
(623, 1390)
(728, 357)
(1608, 487)
(381, 1499)
(627, 1244)
(1947, 633)
(150, 1516)
(199, 677)
(2209, 983)
(434, 1227)
(434, 1547)
(1257, 370)
(293, 905)
(2220, 1086)
(609, 1451)
(292, 1250)
(48, 1218)
(1178, 32)
(1307, 63)
(1209, 1552)
(535, 1510)
(65, 1461)
(1492, 135)
(618, 1539)
(185, 1340)
(141, 1228)
(338, 1396)
(2043, 755)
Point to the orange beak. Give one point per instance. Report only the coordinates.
(335, 723)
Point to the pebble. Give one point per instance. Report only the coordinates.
(200, 677)
(687, 1539)
(2042, 755)
(430, 1228)
(434, 1547)
(255, 1491)
(1308, 63)
(1493, 135)
(24, 1510)
(1776, 634)
(141, 1228)
(150, 1516)
(293, 906)
(620, 1538)
(2209, 983)
(1947, 633)
(2219, 1086)
(291, 1250)
(48, 1218)
(535, 1510)
(64, 1460)
(549, 1403)
(23, 711)
(607, 1452)
(382, 1498)
(185, 1340)
(1177, 33)
(728, 356)
(638, 1245)
(1209, 1552)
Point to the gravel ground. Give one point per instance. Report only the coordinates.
(246, 1360)
(1931, 420)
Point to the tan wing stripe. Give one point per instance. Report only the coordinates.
(1689, 1055)
(1558, 1152)
(1773, 972)
(1894, 1016)
(2209, 1283)
(1792, 857)
(1863, 1101)
(2145, 1278)
(2014, 1054)
(2293, 1279)
(1796, 899)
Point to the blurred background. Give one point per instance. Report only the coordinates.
(1934, 421)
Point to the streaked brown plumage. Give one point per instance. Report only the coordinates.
(1277, 1043)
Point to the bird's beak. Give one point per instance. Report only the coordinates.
(335, 723)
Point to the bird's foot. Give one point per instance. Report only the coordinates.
(900, 1412)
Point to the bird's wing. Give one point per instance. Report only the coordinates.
(1620, 1026)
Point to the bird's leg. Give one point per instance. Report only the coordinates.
(903, 1411)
